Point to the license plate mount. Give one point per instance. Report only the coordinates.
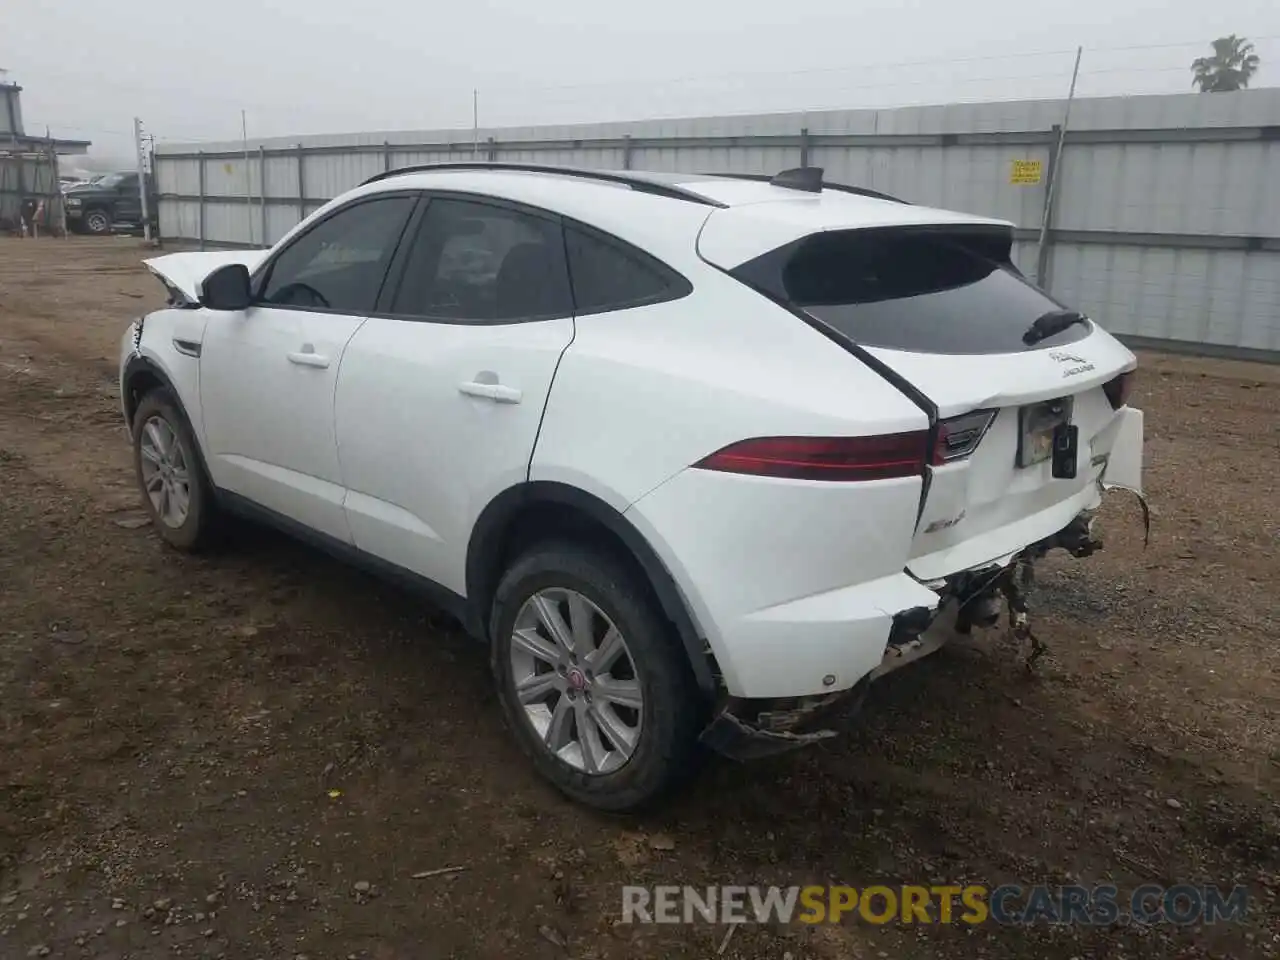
(1066, 451)
(1038, 424)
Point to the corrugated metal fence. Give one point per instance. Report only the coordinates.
(1165, 223)
(26, 176)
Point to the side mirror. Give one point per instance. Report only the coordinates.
(227, 288)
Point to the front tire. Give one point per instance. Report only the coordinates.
(592, 679)
(97, 222)
(174, 487)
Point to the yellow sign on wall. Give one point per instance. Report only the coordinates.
(1026, 172)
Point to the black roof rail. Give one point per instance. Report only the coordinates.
(636, 181)
(810, 179)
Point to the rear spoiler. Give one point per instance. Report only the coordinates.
(735, 237)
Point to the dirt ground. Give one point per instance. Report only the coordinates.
(249, 755)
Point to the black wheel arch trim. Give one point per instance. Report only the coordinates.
(135, 366)
(138, 365)
(486, 540)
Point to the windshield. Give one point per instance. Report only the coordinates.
(112, 180)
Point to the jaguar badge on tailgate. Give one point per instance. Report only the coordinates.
(1078, 364)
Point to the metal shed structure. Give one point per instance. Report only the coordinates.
(15, 139)
(29, 165)
(1165, 222)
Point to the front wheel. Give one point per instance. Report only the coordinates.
(97, 222)
(176, 492)
(592, 679)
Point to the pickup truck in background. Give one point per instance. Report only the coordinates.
(112, 202)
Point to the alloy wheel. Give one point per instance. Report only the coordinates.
(576, 681)
(166, 477)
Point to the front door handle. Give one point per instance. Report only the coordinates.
(308, 358)
(491, 391)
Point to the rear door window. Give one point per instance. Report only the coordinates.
(924, 292)
(474, 262)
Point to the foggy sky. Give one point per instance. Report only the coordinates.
(312, 66)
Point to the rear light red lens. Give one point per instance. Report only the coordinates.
(834, 459)
(1118, 389)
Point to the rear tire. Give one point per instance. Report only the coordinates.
(648, 750)
(175, 490)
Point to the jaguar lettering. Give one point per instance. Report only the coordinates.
(1081, 365)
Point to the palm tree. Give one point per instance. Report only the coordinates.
(1231, 67)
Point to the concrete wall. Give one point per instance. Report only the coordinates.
(1166, 222)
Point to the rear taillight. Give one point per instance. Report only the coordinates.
(957, 437)
(1118, 389)
(825, 458)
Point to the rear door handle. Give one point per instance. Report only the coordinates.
(308, 359)
(491, 391)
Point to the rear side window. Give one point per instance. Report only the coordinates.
(610, 275)
(924, 292)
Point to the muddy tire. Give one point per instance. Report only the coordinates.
(97, 221)
(171, 477)
(593, 680)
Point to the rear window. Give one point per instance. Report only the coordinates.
(915, 291)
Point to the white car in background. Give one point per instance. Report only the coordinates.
(695, 456)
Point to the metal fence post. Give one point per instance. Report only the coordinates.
(493, 150)
(200, 161)
(1046, 227)
(143, 189)
(262, 192)
(804, 146)
(1055, 160)
(55, 194)
(20, 170)
(302, 185)
(386, 155)
(626, 151)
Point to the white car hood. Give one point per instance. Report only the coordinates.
(185, 272)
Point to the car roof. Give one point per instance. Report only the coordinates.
(664, 227)
(713, 189)
(664, 212)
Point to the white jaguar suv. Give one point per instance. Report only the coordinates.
(695, 456)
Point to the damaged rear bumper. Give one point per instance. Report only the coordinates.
(737, 739)
(751, 729)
